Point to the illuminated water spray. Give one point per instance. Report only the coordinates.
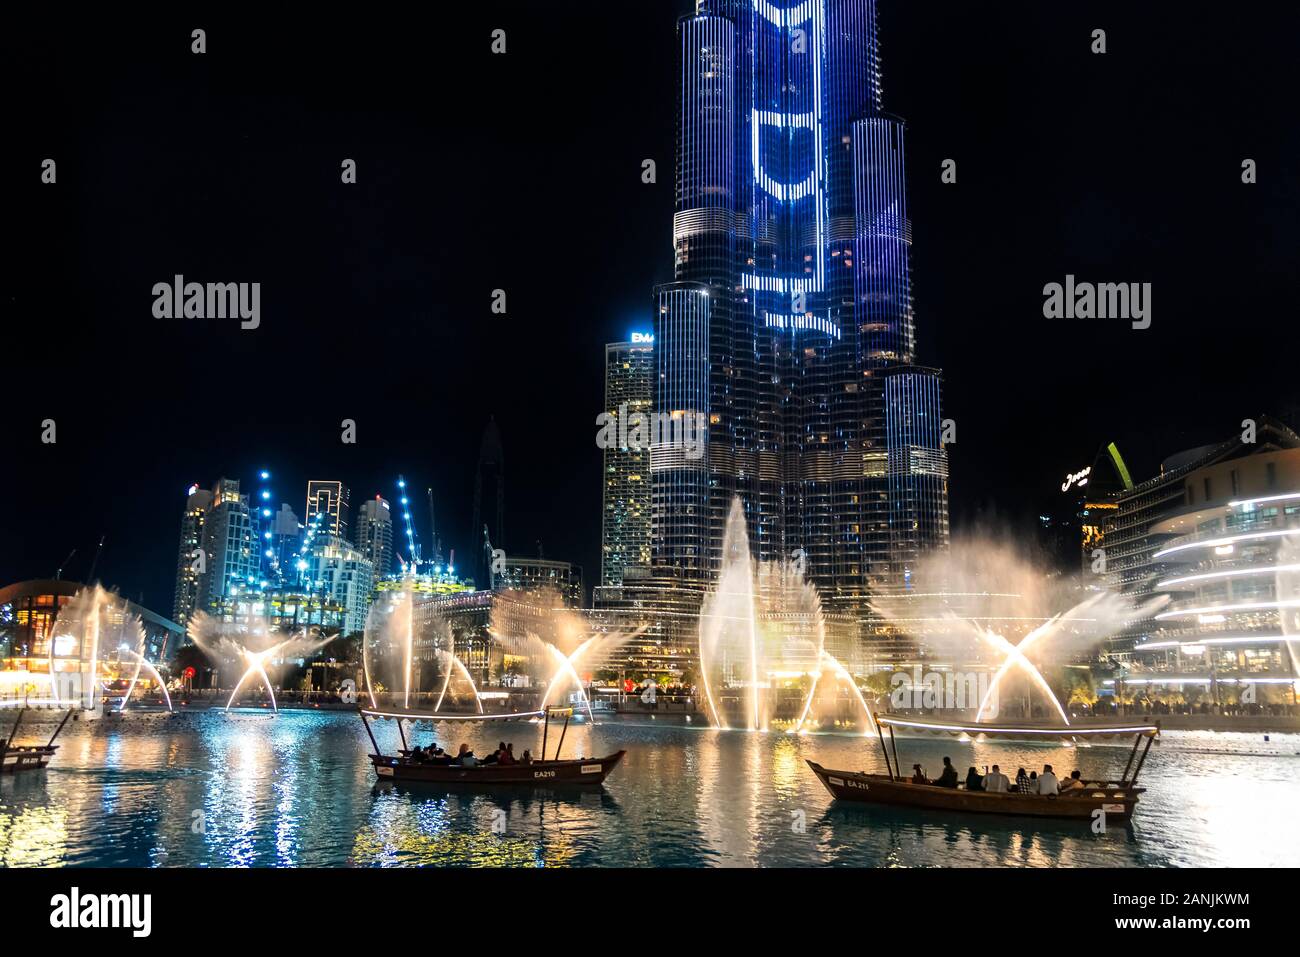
(256, 661)
(142, 662)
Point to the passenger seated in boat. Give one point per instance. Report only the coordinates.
(508, 755)
(465, 757)
(527, 758)
(996, 782)
(918, 776)
(495, 756)
(948, 778)
(1047, 783)
(1076, 781)
(417, 755)
(1022, 781)
(974, 782)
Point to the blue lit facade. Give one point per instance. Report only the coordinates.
(791, 213)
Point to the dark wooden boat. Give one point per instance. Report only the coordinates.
(1116, 799)
(400, 768)
(30, 757)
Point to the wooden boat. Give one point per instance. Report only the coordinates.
(400, 768)
(1117, 799)
(32, 757)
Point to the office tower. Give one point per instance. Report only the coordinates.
(487, 524)
(338, 571)
(186, 602)
(789, 325)
(230, 538)
(374, 531)
(625, 507)
(333, 500)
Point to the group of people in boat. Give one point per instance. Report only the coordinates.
(1046, 784)
(465, 756)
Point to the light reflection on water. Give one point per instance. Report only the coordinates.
(254, 790)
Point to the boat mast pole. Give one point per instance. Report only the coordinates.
(1132, 754)
(60, 727)
(546, 727)
(1142, 760)
(561, 744)
(402, 733)
(15, 730)
(894, 744)
(371, 734)
(883, 750)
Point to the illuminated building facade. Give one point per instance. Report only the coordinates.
(790, 323)
(374, 534)
(231, 541)
(186, 601)
(39, 630)
(534, 574)
(331, 499)
(625, 506)
(338, 571)
(1217, 533)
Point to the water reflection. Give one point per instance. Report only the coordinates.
(253, 790)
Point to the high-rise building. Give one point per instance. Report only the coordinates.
(281, 542)
(188, 565)
(789, 326)
(625, 507)
(337, 571)
(331, 498)
(230, 539)
(374, 533)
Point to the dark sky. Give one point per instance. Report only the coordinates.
(522, 172)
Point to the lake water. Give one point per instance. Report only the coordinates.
(251, 789)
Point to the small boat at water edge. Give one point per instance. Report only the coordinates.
(32, 757)
(1117, 800)
(401, 768)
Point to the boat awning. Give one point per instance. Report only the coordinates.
(446, 716)
(939, 726)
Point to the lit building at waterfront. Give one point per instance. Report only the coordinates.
(1217, 533)
(44, 632)
(625, 504)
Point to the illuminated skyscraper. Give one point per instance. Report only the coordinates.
(375, 534)
(230, 539)
(792, 266)
(189, 570)
(333, 499)
(625, 508)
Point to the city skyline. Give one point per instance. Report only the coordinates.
(427, 417)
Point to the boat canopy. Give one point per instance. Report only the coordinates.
(446, 716)
(938, 726)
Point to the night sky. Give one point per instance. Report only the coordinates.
(522, 172)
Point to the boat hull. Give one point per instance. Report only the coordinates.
(16, 759)
(1118, 803)
(537, 774)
